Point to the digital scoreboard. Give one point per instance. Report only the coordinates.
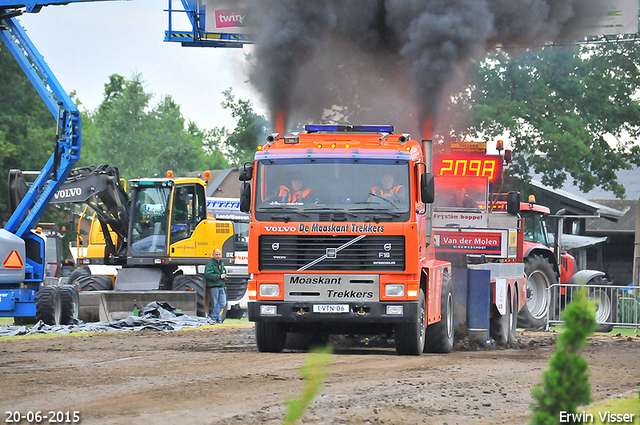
(465, 165)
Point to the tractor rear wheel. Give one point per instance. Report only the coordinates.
(606, 303)
(540, 277)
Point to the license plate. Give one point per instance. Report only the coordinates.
(337, 308)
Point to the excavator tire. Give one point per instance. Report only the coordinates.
(70, 304)
(196, 283)
(95, 283)
(48, 306)
(79, 272)
(540, 276)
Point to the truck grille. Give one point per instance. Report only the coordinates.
(295, 252)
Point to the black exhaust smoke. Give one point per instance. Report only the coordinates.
(387, 60)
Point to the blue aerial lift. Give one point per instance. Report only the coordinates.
(197, 35)
(23, 294)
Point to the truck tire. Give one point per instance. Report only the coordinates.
(94, 283)
(195, 283)
(48, 305)
(410, 336)
(270, 336)
(606, 303)
(503, 328)
(540, 276)
(79, 272)
(70, 304)
(440, 334)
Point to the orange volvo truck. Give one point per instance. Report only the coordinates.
(340, 239)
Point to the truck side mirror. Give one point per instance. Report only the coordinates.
(245, 197)
(427, 188)
(246, 173)
(513, 203)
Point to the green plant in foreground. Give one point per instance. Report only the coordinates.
(565, 386)
(313, 372)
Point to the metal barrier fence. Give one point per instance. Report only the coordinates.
(615, 305)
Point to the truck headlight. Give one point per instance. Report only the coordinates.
(394, 290)
(269, 290)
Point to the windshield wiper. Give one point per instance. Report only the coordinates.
(384, 199)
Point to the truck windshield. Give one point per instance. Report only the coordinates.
(348, 185)
(150, 221)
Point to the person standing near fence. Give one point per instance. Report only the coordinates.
(215, 275)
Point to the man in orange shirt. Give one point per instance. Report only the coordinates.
(294, 194)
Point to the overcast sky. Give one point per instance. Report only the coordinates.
(85, 43)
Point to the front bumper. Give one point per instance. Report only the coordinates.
(359, 312)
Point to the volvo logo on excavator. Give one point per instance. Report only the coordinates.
(68, 193)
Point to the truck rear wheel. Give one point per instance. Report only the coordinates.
(410, 336)
(195, 283)
(70, 304)
(48, 305)
(440, 334)
(503, 328)
(270, 337)
(540, 276)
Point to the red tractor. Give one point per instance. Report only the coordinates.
(542, 268)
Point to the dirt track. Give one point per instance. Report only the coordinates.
(216, 375)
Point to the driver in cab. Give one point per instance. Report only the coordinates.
(388, 188)
(296, 192)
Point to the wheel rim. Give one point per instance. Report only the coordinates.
(603, 305)
(449, 316)
(537, 294)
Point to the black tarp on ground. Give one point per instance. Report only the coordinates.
(158, 316)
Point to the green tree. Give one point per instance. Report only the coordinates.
(565, 385)
(27, 128)
(568, 110)
(239, 146)
(140, 141)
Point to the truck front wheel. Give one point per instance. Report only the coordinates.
(540, 276)
(270, 337)
(410, 336)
